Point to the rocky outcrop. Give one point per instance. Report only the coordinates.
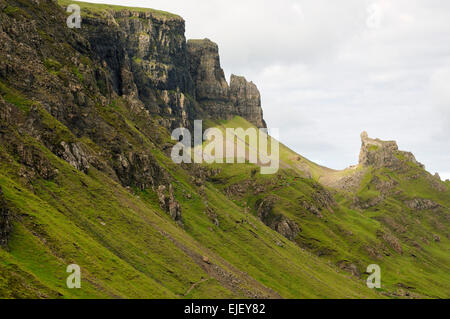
(421, 204)
(391, 240)
(208, 76)
(278, 222)
(246, 100)
(169, 204)
(145, 55)
(378, 154)
(319, 200)
(349, 267)
(35, 161)
(75, 155)
(218, 99)
(149, 60)
(5, 221)
(140, 170)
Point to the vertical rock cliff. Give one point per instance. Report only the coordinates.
(145, 55)
(378, 153)
(246, 100)
(149, 61)
(217, 98)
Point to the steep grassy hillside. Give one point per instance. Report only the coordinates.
(86, 177)
(128, 247)
(396, 217)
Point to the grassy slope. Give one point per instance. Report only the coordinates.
(128, 247)
(98, 8)
(347, 234)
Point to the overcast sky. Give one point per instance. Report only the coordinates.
(327, 69)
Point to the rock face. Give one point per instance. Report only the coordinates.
(278, 222)
(5, 221)
(246, 100)
(145, 55)
(349, 267)
(320, 199)
(208, 76)
(150, 62)
(73, 154)
(421, 204)
(168, 203)
(139, 58)
(378, 153)
(217, 98)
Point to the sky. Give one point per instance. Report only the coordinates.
(328, 70)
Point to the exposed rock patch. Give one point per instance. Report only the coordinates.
(75, 155)
(5, 221)
(366, 203)
(421, 204)
(391, 240)
(169, 204)
(349, 267)
(246, 99)
(277, 222)
(205, 69)
(140, 170)
(36, 161)
(320, 199)
(378, 154)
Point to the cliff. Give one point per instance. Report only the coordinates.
(86, 177)
(148, 60)
(218, 99)
(378, 153)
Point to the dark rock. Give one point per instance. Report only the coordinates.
(206, 72)
(277, 222)
(286, 227)
(218, 99)
(320, 199)
(36, 161)
(75, 155)
(246, 100)
(140, 170)
(364, 203)
(5, 221)
(384, 186)
(379, 154)
(211, 213)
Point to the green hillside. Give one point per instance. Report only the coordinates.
(86, 178)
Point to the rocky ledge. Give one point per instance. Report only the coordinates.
(378, 153)
(219, 99)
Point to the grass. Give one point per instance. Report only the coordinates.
(52, 65)
(128, 247)
(329, 237)
(14, 97)
(97, 8)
